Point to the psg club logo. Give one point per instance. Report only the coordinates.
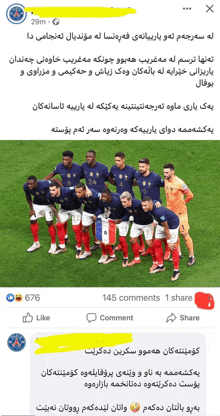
(16, 342)
(16, 14)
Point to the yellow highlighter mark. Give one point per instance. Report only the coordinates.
(80, 12)
(76, 342)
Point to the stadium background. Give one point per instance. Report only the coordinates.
(196, 162)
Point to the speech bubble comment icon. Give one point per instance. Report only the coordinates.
(91, 317)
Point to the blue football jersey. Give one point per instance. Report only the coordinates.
(96, 176)
(91, 203)
(39, 193)
(70, 177)
(67, 199)
(140, 217)
(114, 207)
(150, 185)
(163, 214)
(124, 178)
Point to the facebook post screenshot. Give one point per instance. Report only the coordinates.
(109, 272)
(110, 351)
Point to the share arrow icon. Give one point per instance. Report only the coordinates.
(171, 318)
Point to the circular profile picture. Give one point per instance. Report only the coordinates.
(135, 407)
(16, 13)
(16, 342)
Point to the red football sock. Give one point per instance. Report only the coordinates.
(61, 232)
(141, 239)
(77, 229)
(109, 248)
(52, 232)
(176, 259)
(166, 245)
(124, 246)
(34, 230)
(158, 251)
(178, 245)
(86, 240)
(104, 249)
(65, 227)
(151, 250)
(135, 248)
(93, 232)
(93, 229)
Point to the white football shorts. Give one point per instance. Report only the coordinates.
(42, 211)
(123, 228)
(138, 229)
(75, 214)
(87, 218)
(160, 234)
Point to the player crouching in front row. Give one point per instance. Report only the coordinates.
(39, 207)
(110, 206)
(168, 227)
(70, 208)
(143, 223)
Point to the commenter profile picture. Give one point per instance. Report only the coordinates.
(16, 342)
(16, 13)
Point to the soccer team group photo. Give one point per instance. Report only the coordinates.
(112, 209)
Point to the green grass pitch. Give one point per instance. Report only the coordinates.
(196, 162)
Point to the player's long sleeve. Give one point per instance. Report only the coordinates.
(189, 196)
(100, 209)
(126, 217)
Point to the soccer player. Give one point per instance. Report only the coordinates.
(91, 204)
(168, 226)
(95, 174)
(40, 207)
(176, 190)
(111, 205)
(122, 174)
(70, 172)
(150, 183)
(123, 177)
(143, 223)
(70, 208)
